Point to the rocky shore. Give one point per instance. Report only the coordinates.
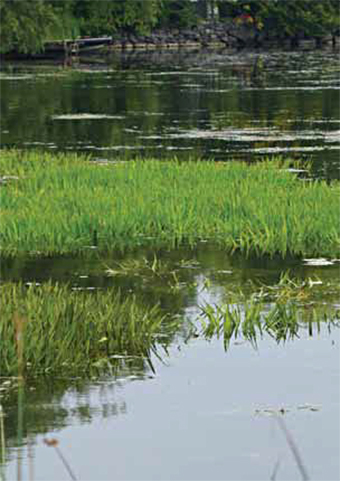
(207, 35)
(214, 34)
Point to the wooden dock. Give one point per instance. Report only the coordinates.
(64, 49)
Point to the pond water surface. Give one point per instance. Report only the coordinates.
(201, 412)
(211, 105)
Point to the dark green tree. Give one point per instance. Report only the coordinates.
(107, 16)
(25, 25)
(298, 18)
(178, 13)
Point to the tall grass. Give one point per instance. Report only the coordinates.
(71, 331)
(63, 203)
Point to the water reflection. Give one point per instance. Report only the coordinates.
(177, 271)
(222, 105)
(187, 283)
(202, 399)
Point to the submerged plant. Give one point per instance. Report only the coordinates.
(142, 266)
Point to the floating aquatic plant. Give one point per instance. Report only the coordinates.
(66, 204)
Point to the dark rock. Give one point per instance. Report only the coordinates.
(211, 33)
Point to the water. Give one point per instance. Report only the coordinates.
(202, 413)
(197, 418)
(212, 105)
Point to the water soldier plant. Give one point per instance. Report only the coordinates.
(282, 311)
(53, 329)
(65, 204)
(50, 328)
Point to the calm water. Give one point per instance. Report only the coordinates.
(203, 413)
(195, 419)
(212, 105)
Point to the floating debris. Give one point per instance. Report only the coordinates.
(271, 411)
(296, 171)
(7, 178)
(90, 288)
(312, 283)
(318, 262)
(86, 116)
(309, 407)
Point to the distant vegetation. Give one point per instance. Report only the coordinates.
(26, 25)
(66, 203)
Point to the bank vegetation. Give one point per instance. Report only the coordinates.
(25, 26)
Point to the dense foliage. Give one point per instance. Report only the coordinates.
(284, 18)
(26, 24)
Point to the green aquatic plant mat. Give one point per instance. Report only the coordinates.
(52, 328)
(68, 204)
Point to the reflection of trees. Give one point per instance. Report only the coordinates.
(42, 407)
(235, 94)
(52, 404)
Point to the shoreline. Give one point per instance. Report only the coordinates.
(211, 35)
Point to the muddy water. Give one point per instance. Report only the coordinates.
(224, 106)
(202, 413)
